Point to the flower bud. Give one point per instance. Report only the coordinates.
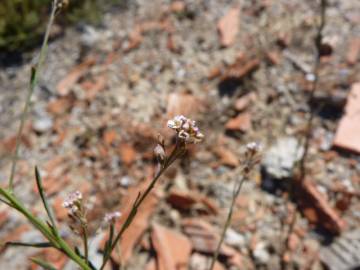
(161, 139)
(159, 152)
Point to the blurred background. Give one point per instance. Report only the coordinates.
(249, 70)
(23, 22)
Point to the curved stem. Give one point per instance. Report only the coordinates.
(40, 225)
(55, 240)
(86, 248)
(33, 82)
(72, 255)
(179, 148)
(310, 120)
(227, 222)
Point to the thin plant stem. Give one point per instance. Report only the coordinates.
(178, 150)
(86, 248)
(41, 226)
(55, 240)
(44, 200)
(33, 83)
(284, 264)
(236, 191)
(72, 255)
(131, 216)
(309, 125)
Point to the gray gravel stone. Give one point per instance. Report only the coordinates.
(43, 124)
(235, 239)
(280, 159)
(261, 254)
(343, 254)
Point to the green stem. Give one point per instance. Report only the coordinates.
(179, 148)
(110, 240)
(86, 248)
(131, 217)
(33, 83)
(72, 255)
(227, 222)
(40, 225)
(309, 124)
(55, 240)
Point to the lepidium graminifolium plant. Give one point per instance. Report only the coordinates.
(252, 157)
(187, 132)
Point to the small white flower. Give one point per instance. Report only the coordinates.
(65, 204)
(110, 218)
(172, 124)
(73, 210)
(186, 126)
(72, 199)
(253, 146)
(180, 118)
(186, 129)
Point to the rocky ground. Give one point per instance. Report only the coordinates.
(244, 71)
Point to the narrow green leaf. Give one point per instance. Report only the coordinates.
(43, 264)
(52, 228)
(43, 198)
(33, 75)
(36, 222)
(35, 245)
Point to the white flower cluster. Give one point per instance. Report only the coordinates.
(111, 217)
(253, 146)
(73, 201)
(186, 129)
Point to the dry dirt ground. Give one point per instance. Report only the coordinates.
(106, 92)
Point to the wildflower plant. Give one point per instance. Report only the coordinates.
(77, 210)
(251, 158)
(186, 133)
(75, 205)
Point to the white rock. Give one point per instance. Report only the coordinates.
(261, 254)
(233, 238)
(43, 124)
(280, 159)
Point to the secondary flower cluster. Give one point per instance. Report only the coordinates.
(253, 147)
(73, 202)
(110, 218)
(77, 212)
(252, 156)
(186, 129)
